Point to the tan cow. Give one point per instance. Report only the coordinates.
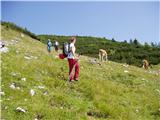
(103, 55)
(145, 64)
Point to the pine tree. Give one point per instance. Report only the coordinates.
(136, 42)
(130, 41)
(113, 40)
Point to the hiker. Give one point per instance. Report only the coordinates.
(145, 64)
(56, 45)
(73, 61)
(102, 55)
(49, 44)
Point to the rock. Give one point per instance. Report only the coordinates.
(4, 50)
(93, 61)
(17, 51)
(125, 65)
(32, 92)
(41, 87)
(19, 109)
(2, 44)
(12, 86)
(14, 41)
(22, 35)
(99, 64)
(45, 93)
(6, 107)
(38, 117)
(26, 57)
(2, 93)
(18, 88)
(23, 79)
(33, 57)
(137, 110)
(14, 74)
(158, 91)
(8, 99)
(126, 71)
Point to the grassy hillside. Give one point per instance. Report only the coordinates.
(105, 91)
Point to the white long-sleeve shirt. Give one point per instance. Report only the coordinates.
(72, 52)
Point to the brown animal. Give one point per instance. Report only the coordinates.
(103, 55)
(145, 64)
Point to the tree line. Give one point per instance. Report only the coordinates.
(124, 52)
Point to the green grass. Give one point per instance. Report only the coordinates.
(103, 91)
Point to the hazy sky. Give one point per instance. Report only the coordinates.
(119, 20)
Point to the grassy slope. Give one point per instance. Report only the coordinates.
(105, 92)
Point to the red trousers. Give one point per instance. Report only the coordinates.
(75, 70)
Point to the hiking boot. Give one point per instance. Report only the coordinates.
(71, 80)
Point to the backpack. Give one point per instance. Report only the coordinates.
(49, 44)
(66, 48)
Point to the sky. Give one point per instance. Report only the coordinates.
(119, 20)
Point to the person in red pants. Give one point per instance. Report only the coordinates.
(73, 61)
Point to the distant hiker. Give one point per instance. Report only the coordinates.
(102, 55)
(73, 62)
(145, 64)
(56, 45)
(49, 44)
